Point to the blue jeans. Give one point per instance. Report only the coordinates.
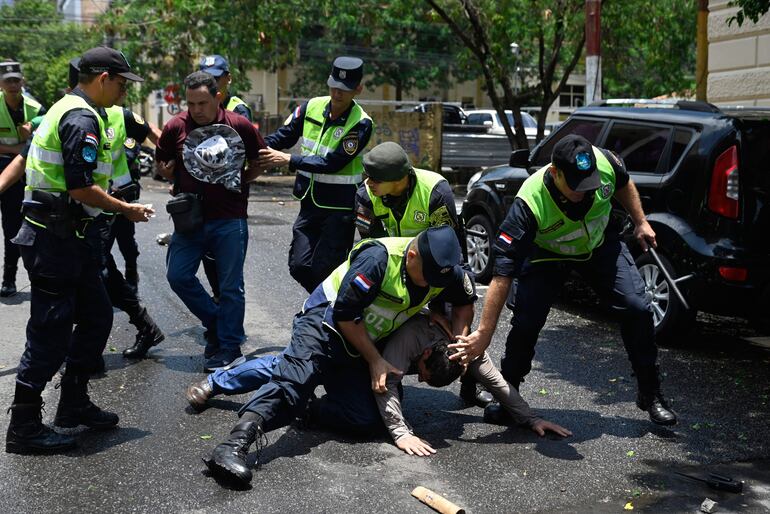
(227, 241)
(248, 377)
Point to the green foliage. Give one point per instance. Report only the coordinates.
(34, 34)
(751, 9)
(650, 55)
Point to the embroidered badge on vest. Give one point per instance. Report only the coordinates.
(606, 191)
(350, 144)
(338, 132)
(553, 227)
(420, 216)
(110, 133)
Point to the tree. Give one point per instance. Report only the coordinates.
(638, 62)
(37, 36)
(751, 9)
(544, 30)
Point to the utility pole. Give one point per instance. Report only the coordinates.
(702, 51)
(593, 51)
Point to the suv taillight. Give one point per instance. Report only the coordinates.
(723, 195)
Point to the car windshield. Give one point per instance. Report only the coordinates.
(526, 119)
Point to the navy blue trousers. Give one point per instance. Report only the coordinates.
(10, 211)
(321, 240)
(66, 291)
(123, 232)
(315, 356)
(611, 272)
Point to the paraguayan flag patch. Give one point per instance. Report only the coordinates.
(363, 283)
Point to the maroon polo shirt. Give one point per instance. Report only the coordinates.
(219, 203)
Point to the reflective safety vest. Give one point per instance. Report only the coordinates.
(9, 132)
(316, 141)
(392, 306)
(234, 102)
(45, 162)
(557, 233)
(117, 135)
(416, 216)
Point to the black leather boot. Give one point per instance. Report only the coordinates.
(132, 277)
(473, 393)
(148, 336)
(228, 460)
(28, 435)
(76, 408)
(8, 287)
(650, 397)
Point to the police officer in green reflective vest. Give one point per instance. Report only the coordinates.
(68, 169)
(333, 131)
(16, 112)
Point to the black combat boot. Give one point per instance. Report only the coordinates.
(228, 460)
(650, 397)
(132, 277)
(473, 393)
(8, 287)
(28, 435)
(148, 335)
(76, 408)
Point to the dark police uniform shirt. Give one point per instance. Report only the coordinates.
(137, 127)
(521, 226)
(441, 196)
(218, 202)
(371, 260)
(288, 135)
(17, 116)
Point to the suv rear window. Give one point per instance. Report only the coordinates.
(640, 146)
(589, 129)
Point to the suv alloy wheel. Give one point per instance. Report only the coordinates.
(478, 234)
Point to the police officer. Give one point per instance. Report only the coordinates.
(556, 224)
(218, 67)
(16, 112)
(333, 131)
(67, 176)
(397, 200)
(383, 283)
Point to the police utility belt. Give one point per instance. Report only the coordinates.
(55, 213)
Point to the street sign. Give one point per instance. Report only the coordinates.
(171, 93)
(173, 109)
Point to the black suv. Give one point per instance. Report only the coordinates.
(703, 174)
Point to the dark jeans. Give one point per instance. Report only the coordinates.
(316, 355)
(612, 274)
(10, 210)
(66, 290)
(321, 241)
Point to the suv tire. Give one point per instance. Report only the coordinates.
(478, 235)
(672, 320)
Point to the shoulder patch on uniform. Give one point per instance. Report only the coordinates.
(138, 118)
(129, 143)
(88, 152)
(363, 221)
(362, 282)
(467, 284)
(505, 238)
(90, 139)
(350, 144)
(441, 217)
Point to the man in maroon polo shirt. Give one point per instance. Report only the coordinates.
(212, 168)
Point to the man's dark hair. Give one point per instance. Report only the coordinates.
(442, 371)
(197, 79)
(87, 78)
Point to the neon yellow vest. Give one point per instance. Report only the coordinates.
(417, 212)
(315, 141)
(45, 162)
(391, 307)
(235, 102)
(9, 133)
(117, 135)
(557, 233)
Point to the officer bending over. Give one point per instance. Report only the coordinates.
(334, 339)
(556, 224)
(67, 177)
(398, 200)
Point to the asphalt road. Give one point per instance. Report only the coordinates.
(719, 384)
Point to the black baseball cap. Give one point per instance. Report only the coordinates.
(215, 65)
(346, 74)
(103, 59)
(574, 156)
(10, 70)
(74, 72)
(387, 162)
(441, 256)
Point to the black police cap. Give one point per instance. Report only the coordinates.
(103, 59)
(441, 256)
(347, 73)
(10, 70)
(574, 156)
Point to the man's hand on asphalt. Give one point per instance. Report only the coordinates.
(269, 158)
(541, 425)
(138, 212)
(470, 347)
(379, 370)
(645, 235)
(413, 445)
